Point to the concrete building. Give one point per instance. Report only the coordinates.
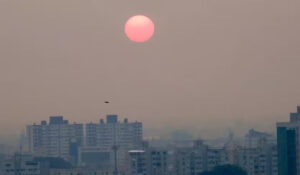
(216, 157)
(151, 161)
(54, 139)
(138, 162)
(257, 154)
(22, 165)
(254, 138)
(288, 145)
(95, 158)
(158, 161)
(115, 136)
(199, 158)
(105, 135)
(261, 160)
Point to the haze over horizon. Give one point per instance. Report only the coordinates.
(211, 65)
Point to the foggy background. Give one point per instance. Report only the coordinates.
(211, 65)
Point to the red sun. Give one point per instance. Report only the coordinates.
(139, 28)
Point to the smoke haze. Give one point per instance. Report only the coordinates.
(211, 65)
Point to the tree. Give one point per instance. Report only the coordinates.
(225, 170)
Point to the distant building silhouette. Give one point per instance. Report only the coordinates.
(254, 138)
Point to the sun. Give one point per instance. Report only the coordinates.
(139, 28)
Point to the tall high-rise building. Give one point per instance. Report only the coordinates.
(106, 134)
(115, 136)
(54, 139)
(288, 145)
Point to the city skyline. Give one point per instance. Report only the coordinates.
(149, 87)
(166, 132)
(117, 146)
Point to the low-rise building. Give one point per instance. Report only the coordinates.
(151, 161)
(22, 165)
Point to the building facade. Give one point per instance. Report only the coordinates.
(106, 134)
(261, 160)
(151, 161)
(138, 162)
(115, 137)
(199, 158)
(54, 139)
(257, 154)
(93, 158)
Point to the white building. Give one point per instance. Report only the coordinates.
(151, 161)
(258, 161)
(105, 135)
(259, 155)
(123, 136)
(199, 158)
(53, 139)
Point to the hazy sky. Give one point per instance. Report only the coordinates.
(211, 65)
